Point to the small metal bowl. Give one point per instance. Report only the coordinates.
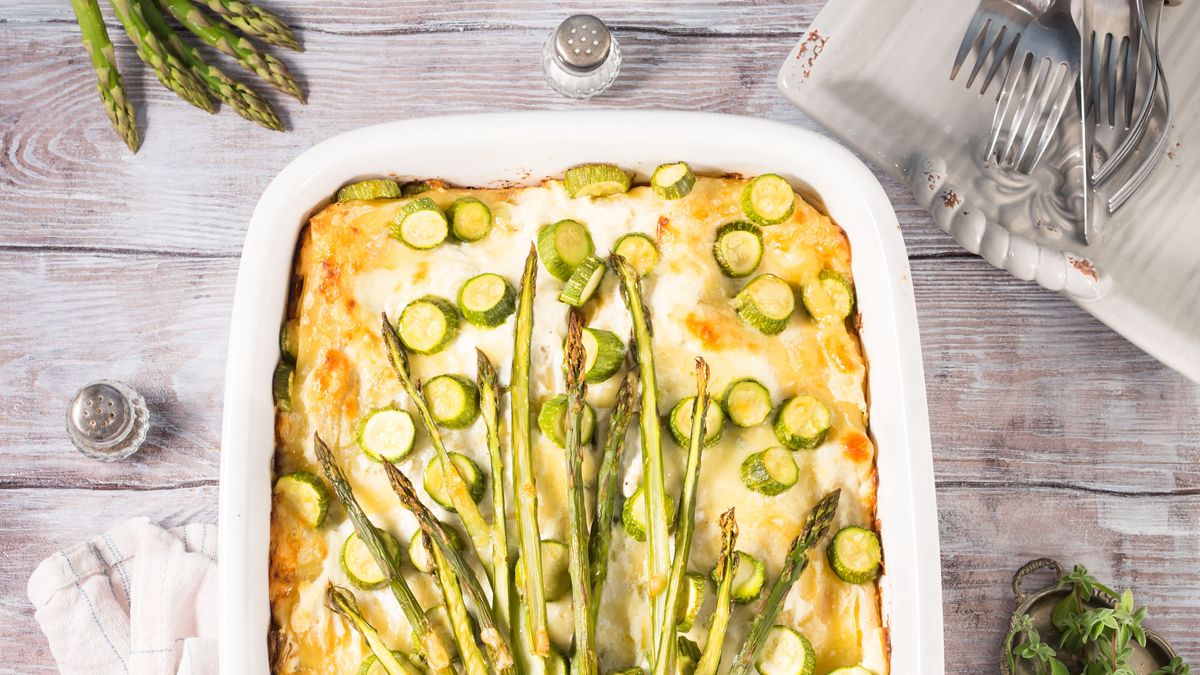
(1040, 603)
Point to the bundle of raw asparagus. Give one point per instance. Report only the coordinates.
(511, 624)
(227, 25)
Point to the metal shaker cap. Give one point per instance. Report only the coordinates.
(581, 43)
(107, 420)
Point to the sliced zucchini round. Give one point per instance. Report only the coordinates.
(306, 495)
(768, 200)
(385, 434)
(418, 554)
(552, 420)
(583, 282)
(428, 324)
(281, 386)
(556, 574)
(375, 188)
(786, 652)
(372, 666)
(420, 224)
(681, 422)
(633, 514)
(747, 402)
(470, 219)
(829, 298)
(690, 601)
(360, 566)
(289, 341)
(639, 250)
(603, 354)
(689, 655)
(453, 400)
(595, 180)
(673, 181)
(415, 187)
(738, 248)
(770, 472)
(802, 422)
(562, 246)
(749, 579)
(766, 303)
(851, 670)
(434, 480)
(487, 300)
(855, 554)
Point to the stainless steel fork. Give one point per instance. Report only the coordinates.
(1037, 89)
(993, 35)
(1114, 47)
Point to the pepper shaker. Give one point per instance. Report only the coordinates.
(581, 58)
(107, 420)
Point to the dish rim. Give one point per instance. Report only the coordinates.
(522, 148)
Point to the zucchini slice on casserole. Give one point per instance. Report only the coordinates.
(453, 400)
(596, 180)
(690, 602)
(747, 402)
(421, 224)
(738, 248)
(434, 480)
(855, 554)
(766, 303)
(749, 579)
(633, 514)
(768, 200)
(673, 181)
(470, 219)
(487, 300)
(306, 495)
(583, 282)
(386, 434)
(563, 246)
(360, 568)
(829, 298)
(681, 422)
(375, 188)
(640, 250)
(552, 420)
(604, 353)
(556, 575)
(802, 422)
(428, 324)
(281, 386)
(418, 551)
(770, 472)
(786, 652)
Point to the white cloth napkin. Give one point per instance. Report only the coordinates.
(139, 599)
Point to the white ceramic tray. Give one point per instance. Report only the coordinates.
(876, 74)
(523, 148)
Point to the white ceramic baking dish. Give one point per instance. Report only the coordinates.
(481, 150)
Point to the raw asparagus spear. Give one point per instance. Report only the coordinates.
(108, 80)
(815, 527)
(489, 408)
(173, 73)
(727, 571)
(426, 638)
(255, 22)
(665, 661)
(524, 485)
(657, 542)
(342, 602)
(456, 486)
(456, 610)
(607, 492)
(241, 48)
(238, 96)
(493, 639)
(584, 661)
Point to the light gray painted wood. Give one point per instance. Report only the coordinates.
(1052, 435)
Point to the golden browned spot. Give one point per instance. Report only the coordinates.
(420, 271)
(840, 350)
(663, 230)
(331, 272)
(712, 332)
(334, 384)
(856, 447)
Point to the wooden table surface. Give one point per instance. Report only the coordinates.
(1052, 435)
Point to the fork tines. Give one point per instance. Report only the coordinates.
(1034, 97)
(992, 37)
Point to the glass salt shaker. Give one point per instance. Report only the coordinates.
(107, 420)
(581, 58)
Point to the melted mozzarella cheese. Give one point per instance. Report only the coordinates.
(352, 270)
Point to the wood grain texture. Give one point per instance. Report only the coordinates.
(1052, 435)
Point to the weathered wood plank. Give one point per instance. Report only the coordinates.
(35, 523)
(60, 142)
